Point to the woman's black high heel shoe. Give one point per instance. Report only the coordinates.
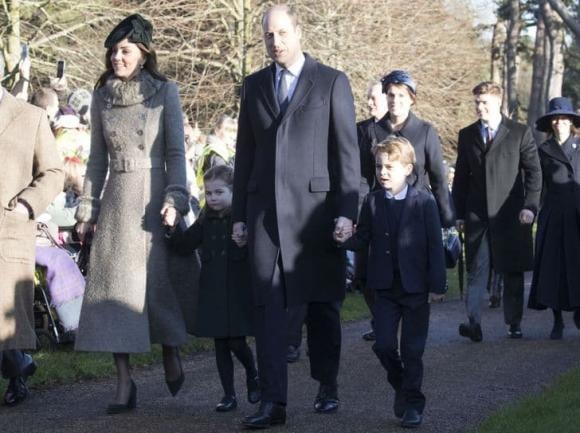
(114, 409)
(175, 385)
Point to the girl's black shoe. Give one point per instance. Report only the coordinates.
(228, 403)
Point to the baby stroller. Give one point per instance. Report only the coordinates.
(58, 290)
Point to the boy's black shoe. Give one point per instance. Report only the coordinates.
(268, 415)
(411, 419)
(515, 331)
(471, 331)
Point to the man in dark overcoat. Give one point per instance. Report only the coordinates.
(496, 191)
(297, 175)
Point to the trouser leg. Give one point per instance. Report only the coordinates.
(387, 316)
(13, 363)
(513, 297)
(478, 274)
(296, 318)
(324, 336)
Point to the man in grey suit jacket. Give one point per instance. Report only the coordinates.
(297, 175)
(496, 191)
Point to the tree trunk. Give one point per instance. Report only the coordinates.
(556, 33)
(537, 101)
(12, 54)
(567, 16)
(497, 52)
(511, 57)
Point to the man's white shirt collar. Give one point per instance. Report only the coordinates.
(295, 69)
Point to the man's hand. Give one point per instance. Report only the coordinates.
(526, 216)
(436, 297)
(460, 225)
(82, 229)
(342, 229)
(239, 234)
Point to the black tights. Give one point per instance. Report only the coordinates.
(225, 365)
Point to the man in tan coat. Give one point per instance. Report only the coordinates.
(30, 178)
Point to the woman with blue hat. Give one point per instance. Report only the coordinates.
(137, 290)
(556, 280)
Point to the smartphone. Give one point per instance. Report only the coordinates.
(23, 51)
(60, 69)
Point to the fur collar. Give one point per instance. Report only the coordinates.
(135, 91)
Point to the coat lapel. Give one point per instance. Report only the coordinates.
(303, 87)
(501, 133)
(269, 92)
(409, 204)
(553, 150)
(8, 110)
(477, 138)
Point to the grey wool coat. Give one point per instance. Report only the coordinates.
(137, 291)
(31, 173)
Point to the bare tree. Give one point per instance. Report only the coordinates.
(537, 94)
(567, 16)
(514, 29)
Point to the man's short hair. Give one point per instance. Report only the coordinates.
(397, 148)
(488, 87)
(290, 11)
(44, 98)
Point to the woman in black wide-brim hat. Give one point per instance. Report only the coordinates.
(138, 292)
(556, 281)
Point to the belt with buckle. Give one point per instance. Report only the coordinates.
(128, 165)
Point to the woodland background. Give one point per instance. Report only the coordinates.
(532, 48)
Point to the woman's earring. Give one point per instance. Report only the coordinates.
(141, 65)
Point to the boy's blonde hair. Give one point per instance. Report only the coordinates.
(397, 148)
(488, 88)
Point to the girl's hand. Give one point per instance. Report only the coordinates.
(170, 216)
(239, 234)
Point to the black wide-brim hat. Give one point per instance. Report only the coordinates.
(557, 107)
(134, 28)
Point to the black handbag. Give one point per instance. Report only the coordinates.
(452, 247)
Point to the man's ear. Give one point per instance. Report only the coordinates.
(408, 169)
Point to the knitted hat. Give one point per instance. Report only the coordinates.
(80, 101)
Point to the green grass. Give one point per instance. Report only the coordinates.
(67, 366)
(556, 409)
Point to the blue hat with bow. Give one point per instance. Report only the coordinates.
(557, 107)
(399, 77)
(134, 28)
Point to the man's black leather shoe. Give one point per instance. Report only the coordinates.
(293, 354)
(411, 419)
(327, 399)
(17, 391)
(369, 336)
(471, 331)
(268, 414)
(515, 331)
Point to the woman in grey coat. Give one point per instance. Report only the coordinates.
(137, 138)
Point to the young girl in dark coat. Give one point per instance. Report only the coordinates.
(225, 301)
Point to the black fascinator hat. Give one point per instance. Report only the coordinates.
(134, 28)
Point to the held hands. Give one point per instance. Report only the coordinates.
(460, 225)
(436, 298)
(169, 215)
(526, 216)
(343, 229)
(239, 234)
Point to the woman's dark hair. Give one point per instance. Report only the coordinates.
(224, 173)
(150, 65)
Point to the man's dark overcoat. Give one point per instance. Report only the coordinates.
(295, 173)
(491, 187)
(556, 282)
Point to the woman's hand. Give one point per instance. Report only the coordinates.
(239, 234)
(170, 216)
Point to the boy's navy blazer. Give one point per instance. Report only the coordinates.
(420, 246)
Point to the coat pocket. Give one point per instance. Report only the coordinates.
(17, 238)
(319, 184)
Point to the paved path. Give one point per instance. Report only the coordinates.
(464, 383)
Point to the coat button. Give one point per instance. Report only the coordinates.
(109, 105)
(387, 234)
(139, 132)
(388, 252)
(142, 146)
(117, 147)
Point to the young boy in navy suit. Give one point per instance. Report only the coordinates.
(406, 270)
